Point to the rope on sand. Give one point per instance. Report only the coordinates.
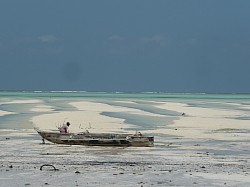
(48, 165)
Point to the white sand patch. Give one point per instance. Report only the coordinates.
(128, 102)
(100, 107)
(244, 107)
(88, 117)
(201, 112)
(28, 101)
(230, 177)
(241, 106)
(80, 120)
(3, 113)
(201, 123)
(42, 108)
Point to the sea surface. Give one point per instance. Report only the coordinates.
(173, 161)
(58, 100)
(21, 106)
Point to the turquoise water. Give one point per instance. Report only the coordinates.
(76, 94)
(142, 101)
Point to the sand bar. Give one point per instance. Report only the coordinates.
(26, 101)
(202, 123)
(87, 116)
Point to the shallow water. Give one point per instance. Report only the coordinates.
(173, 161)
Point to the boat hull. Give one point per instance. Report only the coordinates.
(98, 139)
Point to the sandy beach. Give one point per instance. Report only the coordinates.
(203, 147)
(206, 123)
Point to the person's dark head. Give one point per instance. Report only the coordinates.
(68, 124)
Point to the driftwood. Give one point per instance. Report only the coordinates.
(41, 168)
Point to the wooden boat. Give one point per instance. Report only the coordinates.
(97, 139)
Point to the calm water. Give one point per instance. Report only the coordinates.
(142, 101)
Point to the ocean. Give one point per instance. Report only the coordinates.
(58, 100)
(199, 137)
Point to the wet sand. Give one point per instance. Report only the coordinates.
(201, 148)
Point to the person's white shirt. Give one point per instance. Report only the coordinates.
(64, 128)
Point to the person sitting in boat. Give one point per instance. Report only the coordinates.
(64, 128)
